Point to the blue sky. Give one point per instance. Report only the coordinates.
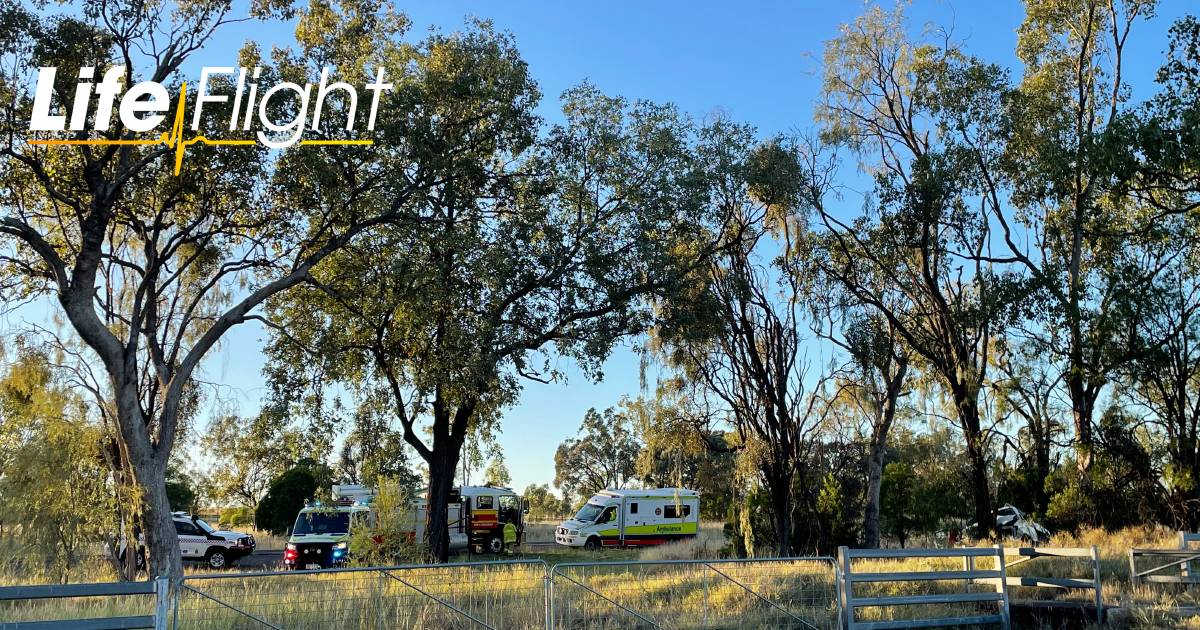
(758, 62)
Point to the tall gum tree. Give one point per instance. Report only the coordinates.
(1063, 217)
(736, 333)
(925, 121)
(551, 244)
(151, 269)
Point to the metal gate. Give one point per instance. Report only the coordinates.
(797, 593)
(485, 595)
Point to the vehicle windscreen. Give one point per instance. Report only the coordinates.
(203, 524)
(589, 512)
(318, 523)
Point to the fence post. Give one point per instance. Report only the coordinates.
(1185, 568)
(704, 573)
(846, 594)
(162, 602)
(1099, 596)
(1002, 588)
(550, 617)
(548, 595)
(1133, 576)
(968, 566)
(175, 604)
(382, 599)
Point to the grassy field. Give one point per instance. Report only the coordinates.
(513, 596)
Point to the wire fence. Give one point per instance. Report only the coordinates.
(506, 594)
(781, 593)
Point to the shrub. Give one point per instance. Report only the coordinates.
(285, 498)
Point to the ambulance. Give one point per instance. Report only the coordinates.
(488, 519)
(628, 518)
(320, 537)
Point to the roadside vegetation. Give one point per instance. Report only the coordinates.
(968, 283)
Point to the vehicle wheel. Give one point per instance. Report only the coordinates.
(216, 559)
(495, 544)
(592, 544)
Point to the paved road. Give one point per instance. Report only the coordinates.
(262, 560)
(272, 559)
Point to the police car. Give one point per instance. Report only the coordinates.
(199, 541)
(216, 548)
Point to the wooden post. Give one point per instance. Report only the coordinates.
(1133, 576)
(1185, 568)
(162, 602)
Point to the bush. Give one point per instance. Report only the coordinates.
(285, 498)
(388, 539)
(236, 517)
(181, 496)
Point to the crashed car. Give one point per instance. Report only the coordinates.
(1014, 524)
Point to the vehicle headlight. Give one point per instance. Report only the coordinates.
(342, 546)
(573, 532)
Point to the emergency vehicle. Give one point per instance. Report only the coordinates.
(320, 538)
(495, 517)
(627, 518)
(487, 518)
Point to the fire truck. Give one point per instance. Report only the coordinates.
(489, 519)
(493, 517)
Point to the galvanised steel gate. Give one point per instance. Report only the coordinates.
(488, 595)
(794, 593)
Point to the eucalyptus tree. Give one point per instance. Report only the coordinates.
(876, 373)
(1064, 217)
(737, 335)
(151, 268)
(925, 120)
(604, 455)
(1165, 382)
(550, 245)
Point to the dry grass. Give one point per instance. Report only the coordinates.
(511, 596)
(708, 544)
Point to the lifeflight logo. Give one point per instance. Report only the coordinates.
(143, 108)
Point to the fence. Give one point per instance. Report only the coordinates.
(504, 594)
(859, 591)
(748, 593)
(956, 604)
(18, 601)
(1028, 554)
(1173, 560)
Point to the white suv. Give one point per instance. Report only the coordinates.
(201, 542)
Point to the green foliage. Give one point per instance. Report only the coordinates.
(496, 473)
(287, 495)
(926, 485)
(603, 455)
(1122, 474)
(236, 517)
(679, 452)
(246, 454)
(837, 515)
(55, 498)
(386, 537)
(181, 495)
(543, 504)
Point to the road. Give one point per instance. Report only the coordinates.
(272, 559)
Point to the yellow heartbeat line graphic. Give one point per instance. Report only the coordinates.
(175, 140)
